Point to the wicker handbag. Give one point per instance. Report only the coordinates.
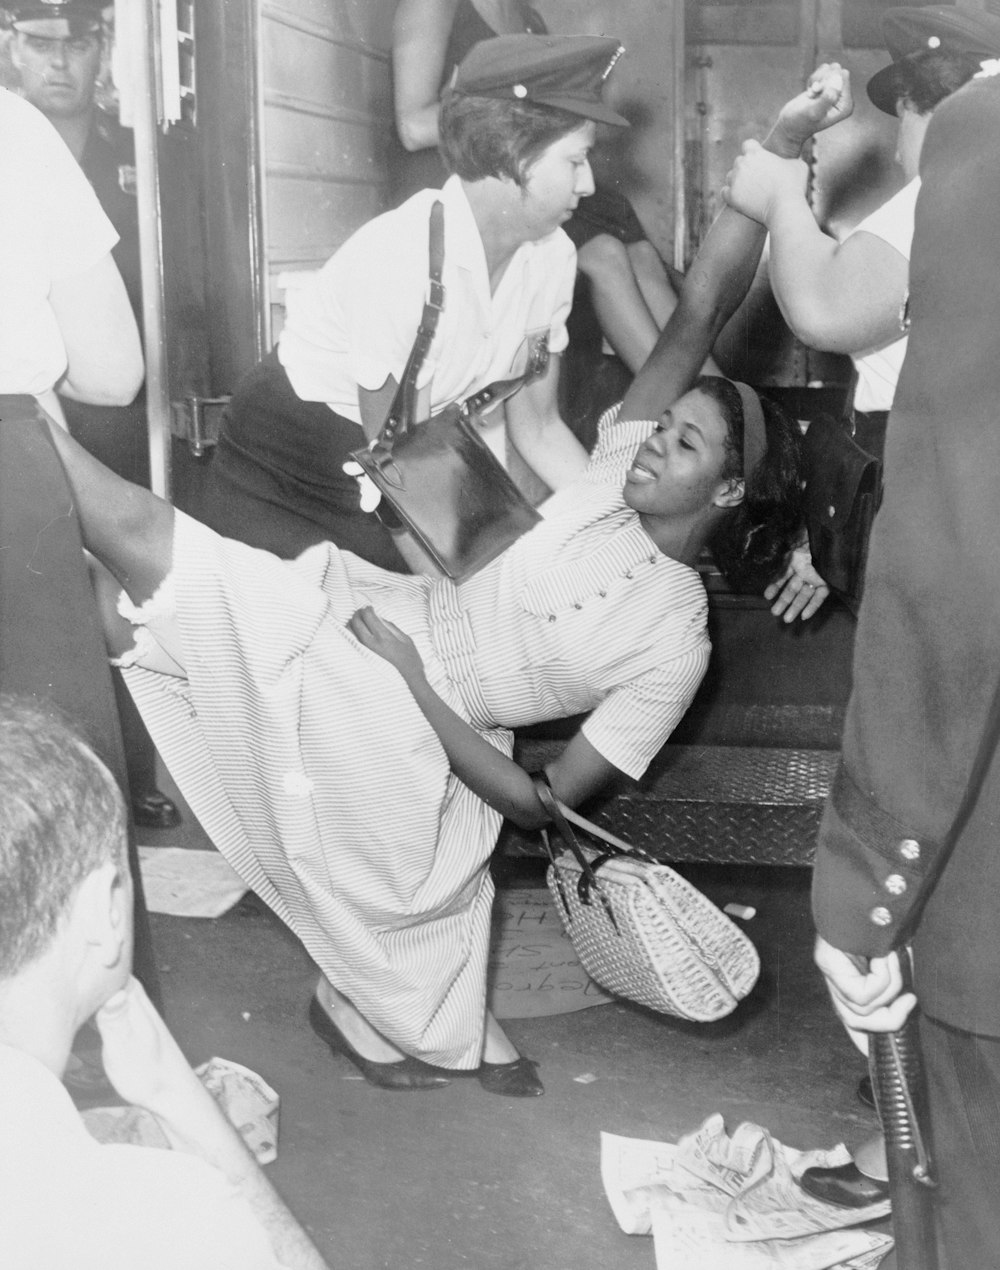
(641, 931)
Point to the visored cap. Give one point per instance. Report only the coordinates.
(83, 15)
(566, 72)
(934, 26)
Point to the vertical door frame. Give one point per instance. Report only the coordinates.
(229, 122)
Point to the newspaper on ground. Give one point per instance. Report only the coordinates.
(182, 882)
(249, 1103)
(732, 1202)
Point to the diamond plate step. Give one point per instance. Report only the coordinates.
(793, 726)
(723, 804)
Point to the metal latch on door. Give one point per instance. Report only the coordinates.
(198, 420)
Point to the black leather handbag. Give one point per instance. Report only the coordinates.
(438, 476)
(843, 490)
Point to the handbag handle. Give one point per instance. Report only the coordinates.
(588, 883)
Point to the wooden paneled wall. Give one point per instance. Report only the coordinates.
(642, 87)
(326, 115)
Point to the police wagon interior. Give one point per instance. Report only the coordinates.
(262, 137)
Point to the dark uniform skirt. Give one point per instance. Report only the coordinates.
(277, 481)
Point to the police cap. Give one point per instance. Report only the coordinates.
(82, 15)
(933, 26)
(566, 72)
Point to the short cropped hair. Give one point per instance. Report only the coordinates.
(61, 816)
(483, 137)
(924, 79)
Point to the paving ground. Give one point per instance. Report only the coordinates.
(456, 1177)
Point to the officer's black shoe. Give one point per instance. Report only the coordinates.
(154, 810)
(845, 1186)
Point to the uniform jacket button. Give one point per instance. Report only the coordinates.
(881, 916)
(895, 884)
(909, 849)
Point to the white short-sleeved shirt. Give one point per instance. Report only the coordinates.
(51, 227)
(878, 369)
(66, 1200)
(354, 323)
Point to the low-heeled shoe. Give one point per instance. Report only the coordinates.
(845, 1186)
(516, 1079)
(155, 811)
(406, 1073)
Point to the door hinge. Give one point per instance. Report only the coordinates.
(198, 420)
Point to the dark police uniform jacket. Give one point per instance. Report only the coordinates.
(927, 656)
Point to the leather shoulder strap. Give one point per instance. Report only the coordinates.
(403, 408)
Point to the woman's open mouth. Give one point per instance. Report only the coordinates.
(640, 472)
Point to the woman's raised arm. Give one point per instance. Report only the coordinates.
(724, 268)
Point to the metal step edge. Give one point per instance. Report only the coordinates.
(752, 775)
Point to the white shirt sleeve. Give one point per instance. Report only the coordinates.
(51, 227)
(893, 221)
(633, 723)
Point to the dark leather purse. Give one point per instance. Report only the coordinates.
(843, 490)
(438, 476)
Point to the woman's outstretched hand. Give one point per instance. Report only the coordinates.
(800, 591)
(826, 100)
(388, 641)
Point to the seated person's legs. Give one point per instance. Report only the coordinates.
(621, 308)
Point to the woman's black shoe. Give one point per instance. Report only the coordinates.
(516, 1079)
(406, 1073)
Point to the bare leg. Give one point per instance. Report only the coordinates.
(371, 1044)
(497, 1047)
(652, 280)
(657, 289)
(621, 309)
(870, 1158)
(354, 1026)
(127, 528)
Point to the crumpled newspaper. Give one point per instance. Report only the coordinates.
(249, 1102)
(726, 1202)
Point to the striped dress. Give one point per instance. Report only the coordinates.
(315, 773)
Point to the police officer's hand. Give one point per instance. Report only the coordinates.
(867, 993)
(760, 182)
